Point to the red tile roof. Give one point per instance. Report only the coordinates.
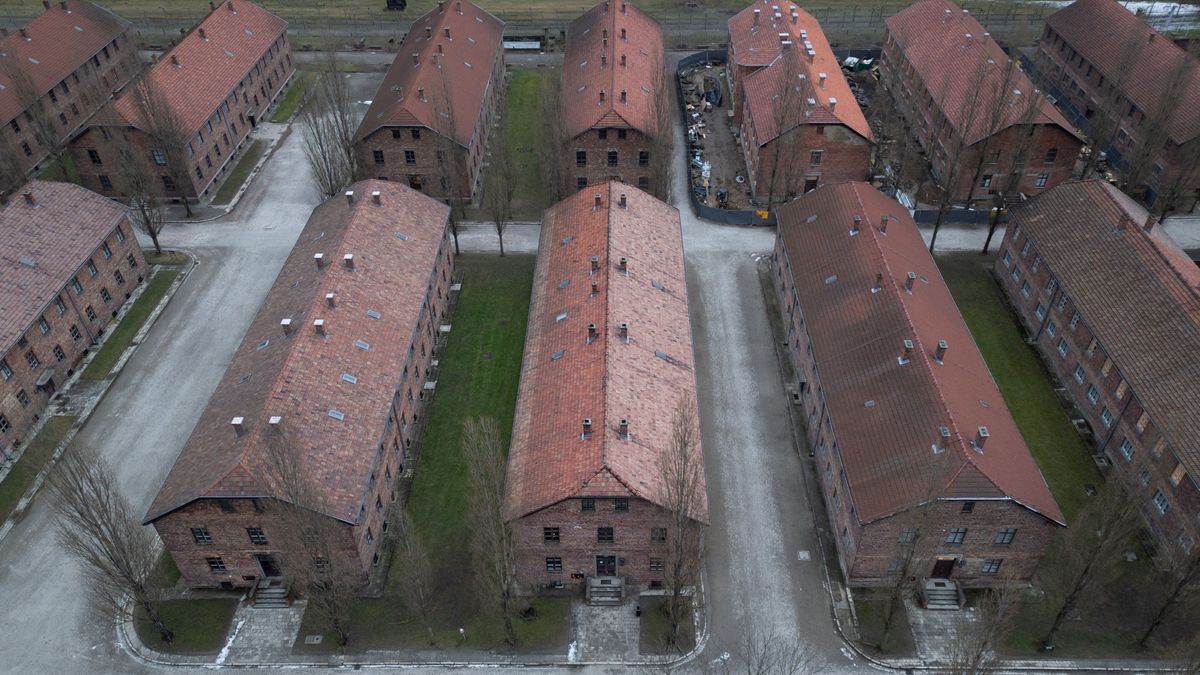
(59, 40)
(460, 74)
(1112, 39)
(592, 67)
(888, 415)
(44, 246)
(207, 71)
(757, 42)
(1137, 292)
(964, 70)
(299, 376)
(565, 378)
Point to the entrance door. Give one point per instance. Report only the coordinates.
(942, 568)
(269, 567)
(810, 184)
(253, 122)
(606, 565)
(48, 387)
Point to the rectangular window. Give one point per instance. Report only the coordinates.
(416, 134)
(956, 535)
(1025, 289)
(256, 535)
(168, 183)
(1051, 285)
(1062, 347)
(1093, 394)
(1080, 374)
(550, 535)
(91, 268)
(991, 566)
(621, 504)
(1160, 502)
(215, 565)
(1142, 421)
(553, 564)
(119, 277)
(106, 251)
(1042, 178)
(612, 157)
(604, 535)
(1051, 328)
(132, 261)
(986, 181)
(59, 354)
(201, 536)
(581, 182)
(621, 134)
(225, 505)
(814, 157)
(587, 504)
(378, 156)
(105, 295)
(1040, 312)
(1121, 389)
(1177, 475)
(1062, 303)
(1144, 476)
(1104, 369)
(1127, 450)
(602, 134)
(23, 398)
(1016, 274)
(643, 158)
(32, 359)
(42, 325)
(5, 371)
(1007, 258)
(410, 157)
(4, 425)
(1005, 536)
(1106, 417)
(1025, 249)
(95, 157)
(658, 535)
(656, 565)
(1051, 154)
(968, 507)
(91, 313)
(1074, 318)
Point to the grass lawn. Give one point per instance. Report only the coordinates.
(524, 130)
(869, 606)
(479, 373)
(291, 100)
(1027, 389)
(123, 333)
(655, 625)
(168, 258)
(200, 626)
(234, 181)
(37, 453)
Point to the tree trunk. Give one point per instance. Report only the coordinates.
(937, 225)
(500, 235)
(510, 634)
(993, 221)
(164, 632)
(454, 230)
(154, 238)
(187, 206)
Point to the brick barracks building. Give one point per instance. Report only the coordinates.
(613, 77)
(70, 259)
(218, 81)
(335, 362)
(800, 124)
(429, 123)
(953, 87)
(1113, 306)
(607, 358)
(56, 72)
(1092, 46)
(912, 439)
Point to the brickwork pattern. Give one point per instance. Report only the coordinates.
(629, 168)
(844, 156)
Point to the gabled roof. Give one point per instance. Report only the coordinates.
(333, 392)
(592, 66)
(198, 74)
(1112, 39)
(455, 79)
(888, 415)
(44, 245)
(1137, 292)
(756, 41)
(965, 71)
(54, 45)
(566, 378)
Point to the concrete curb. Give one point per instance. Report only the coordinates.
(27, 499)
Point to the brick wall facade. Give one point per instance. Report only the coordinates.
(1049, 157)
(69, 104)
(230, 541)
(867, 551)
(1130, 441)
(631, 166)
(212, 148)
(813, 155)
(73, 320)
(578, 547)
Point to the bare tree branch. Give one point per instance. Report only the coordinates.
(771, 653)
(501, 183)
(662, 138)
(167, 136)
(681, 471)
(492, 545)
(328, 126)
(552, 145)
(414, 570)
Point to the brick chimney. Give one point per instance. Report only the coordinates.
(940, 354)
(908, 281)
(908, 350)
(623, 331)
(595, 263)
(604, 58)
(622, 201)
(238, 426)
(622, 34)
(319, 326)
(428, 32)
(446, 31)
(175, 60)
(349, 197)
(878, 283)
(602, 96)
(595, 287)
(981, 436)
(203, 35)
(623, 428)
(883, 220)
(623, 98)
(348, 261)
(757, 14)
(623, 264)
(376, 198)
(286, 325)
(821, 77)
(331, 300)
(622, 60)
(319, 258)
(599, 201)
(591, 332)
(416, 59)
(28, 195)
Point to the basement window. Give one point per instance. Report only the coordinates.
(337, 414)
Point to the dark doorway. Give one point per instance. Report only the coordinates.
(942, 568)
(810, 184)
(270, 568)
(253, 123)
(606, 565)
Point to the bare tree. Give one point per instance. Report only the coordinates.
(552, 145)
(164, 130)
(789, 102)
(681, 468)
(1102, 123)
(12, 175)
(978, 634)
(662, 138)
(139, 181)
(770, 652)
(501, 184)
(492, 546)
(1013, 163)
(415, 573)
(48, 131)
(97, 525)
(1081, 553)
(951, 143)
(317, 549)
(1179, 581)
(995, 98)
(903, 573)
(328, 127)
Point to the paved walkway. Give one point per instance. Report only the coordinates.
(604, 633)
(262, 635)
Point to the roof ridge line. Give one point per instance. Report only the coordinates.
(607, 293)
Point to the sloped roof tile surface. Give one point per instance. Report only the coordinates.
(1125, 49)
(55, 44)
(592, 64)
(454, 80)
(966, 72)
(237, 34)
(298, 375)
(566, 378)
(1137, 292)
(44, 245)
(888, 406)
(757, 41)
